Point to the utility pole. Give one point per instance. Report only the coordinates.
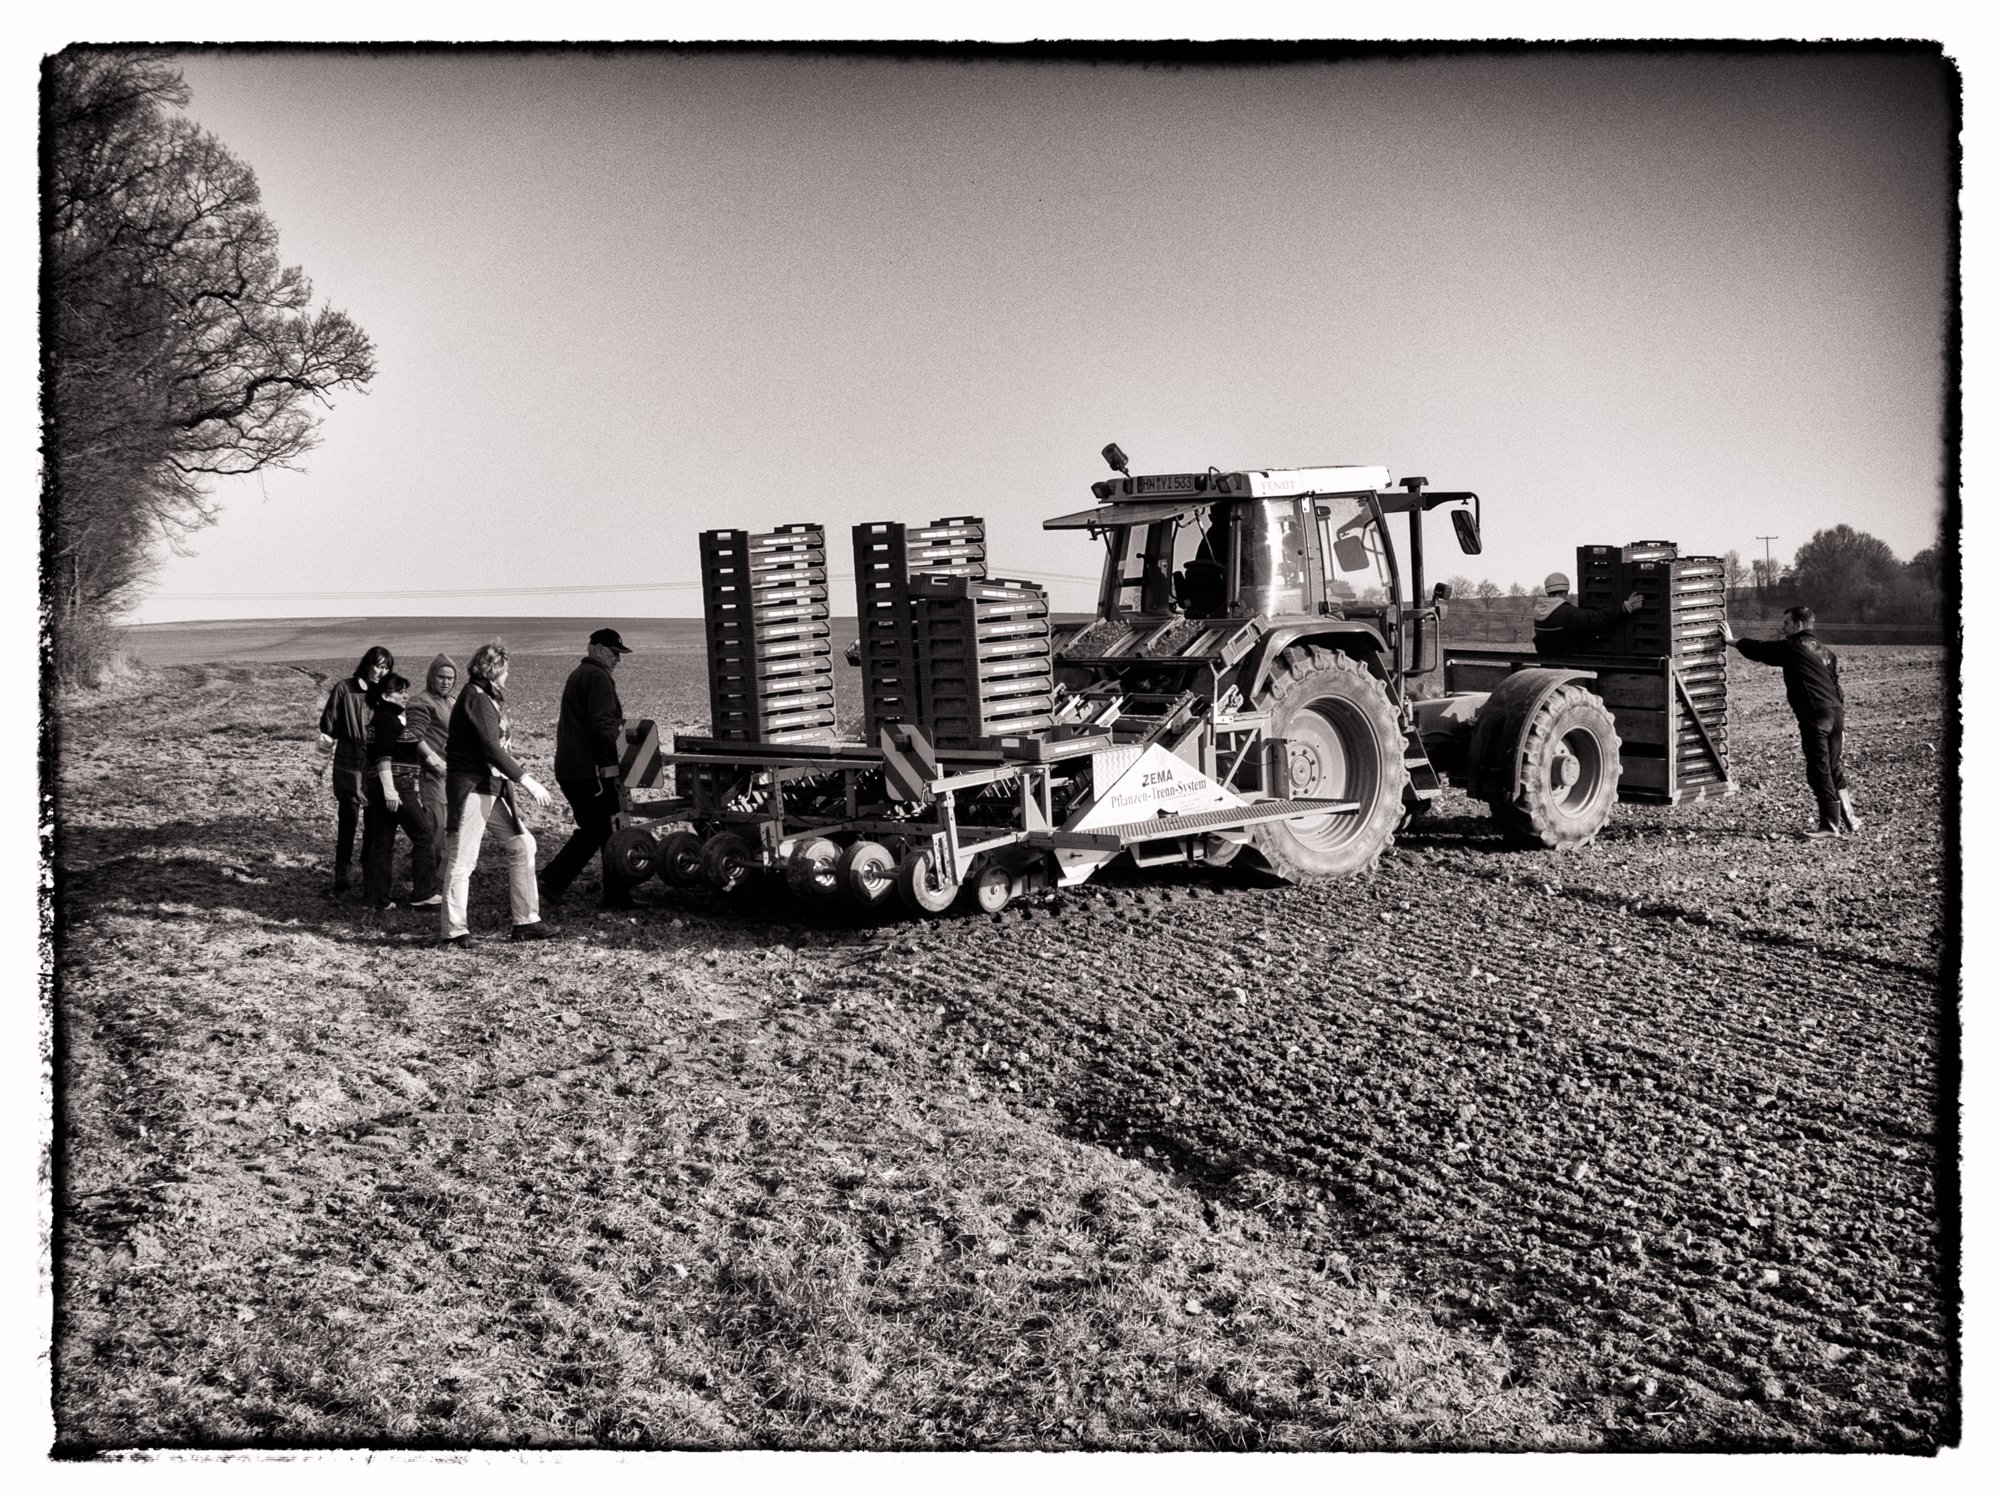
(1767, 540)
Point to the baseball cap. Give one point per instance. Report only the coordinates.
(1555, 583)
(609, 637)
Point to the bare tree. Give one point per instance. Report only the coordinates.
(177, 346)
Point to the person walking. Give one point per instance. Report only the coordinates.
(1565, 628)
(587, 770)
(343, 729)
(481, 776)
(429, 714)
(395, 767)
(1812, 688)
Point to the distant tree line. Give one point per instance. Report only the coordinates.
(1844, 574)
(176, 345)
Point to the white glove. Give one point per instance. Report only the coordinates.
(325, 743)
(536, 790)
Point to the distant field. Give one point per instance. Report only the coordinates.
(412, 637)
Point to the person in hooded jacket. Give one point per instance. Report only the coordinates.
(395, 764)
(429, 714)
(343, 729)
(1812, 688)
(1565, 628)
(587, 769)
(481, 774)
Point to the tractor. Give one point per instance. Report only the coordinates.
(1280, 592)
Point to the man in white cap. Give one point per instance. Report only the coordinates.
(1565, 628)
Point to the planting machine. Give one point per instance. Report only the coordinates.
(1251, 687)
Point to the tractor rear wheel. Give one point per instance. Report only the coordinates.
(1343, 743)
(1569, 772)
(867, 872)
(678, 858)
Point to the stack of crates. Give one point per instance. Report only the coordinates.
(887, 555)
(986, 659)
(1598, 573)
(1682, 600)
(770, 648)
(1680, 618)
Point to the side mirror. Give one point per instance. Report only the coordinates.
(1467, 526)
(1351, 553)
(1440, 591)
(1115, 456)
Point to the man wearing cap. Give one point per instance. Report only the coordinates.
(1565, 628)
(587, 768)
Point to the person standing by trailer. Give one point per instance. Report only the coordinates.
(1565, 628)
(481, 775)
(587, 769)
(395, 767)
(343, 729)
(1812, 687)
(429, 714)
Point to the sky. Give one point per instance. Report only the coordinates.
(619, 297)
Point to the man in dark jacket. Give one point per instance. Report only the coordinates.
(587, 768)
(1812, 687)
(1565, 628)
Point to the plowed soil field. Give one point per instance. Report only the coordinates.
(1638, 1147)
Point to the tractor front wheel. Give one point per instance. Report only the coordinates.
(1342, 743)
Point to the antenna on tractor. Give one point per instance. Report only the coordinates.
(1115, 456)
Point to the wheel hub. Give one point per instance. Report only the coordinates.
(1564, 771)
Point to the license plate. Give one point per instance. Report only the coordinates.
(1164, 484)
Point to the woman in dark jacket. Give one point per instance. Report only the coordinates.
(480, 774)
(343, 728)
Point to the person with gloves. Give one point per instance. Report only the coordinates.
(1812, 688)
(1565, 628)
(481, 776)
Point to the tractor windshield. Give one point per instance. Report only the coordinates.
(1357, 569)
(1167, 565)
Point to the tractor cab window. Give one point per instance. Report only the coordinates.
(1168, 565)
(1357, 568)
(1272, 580)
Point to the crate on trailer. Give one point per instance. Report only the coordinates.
(770, 650)
(1633, 552)
(987, 659)
(887, 555)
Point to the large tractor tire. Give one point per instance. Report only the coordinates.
(1344, 743)
(1569, 769)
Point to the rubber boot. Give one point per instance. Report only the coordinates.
(1847, 817)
